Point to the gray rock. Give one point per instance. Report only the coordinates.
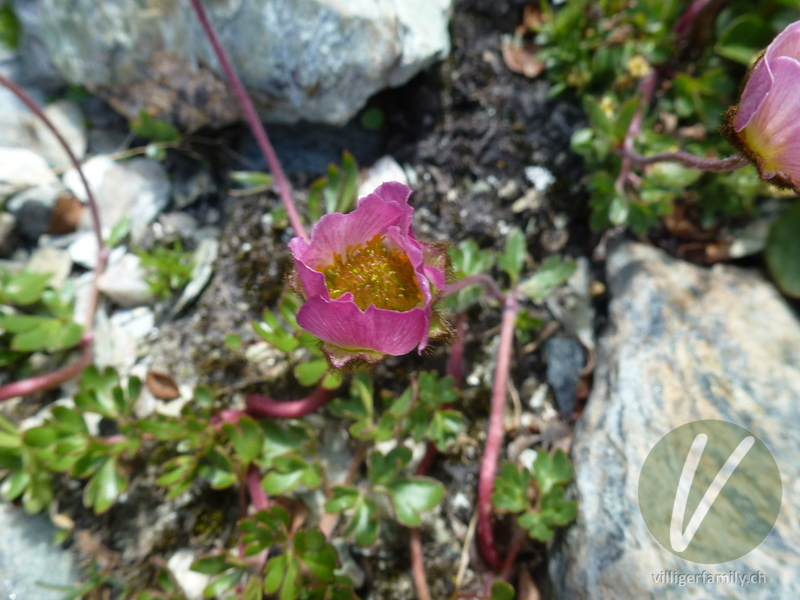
(685, 343)
(124, 283)
(191, 188)
(28, 557)
(117, 338)
(318, 60)
(204, 258)
(33, 209)
(54, 261)
(15, 117)
(68, 119)
(564, 364)
(7, 225)
(138, 189)
(20, 169)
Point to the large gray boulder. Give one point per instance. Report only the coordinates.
(317, 60)
(684, 343)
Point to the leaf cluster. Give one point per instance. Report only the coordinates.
(516, 485)
(34, 317)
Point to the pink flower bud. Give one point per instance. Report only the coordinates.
(368, 284)
(766, 123)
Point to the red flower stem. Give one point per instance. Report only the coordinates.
(710, 165)
(684, 24)
(455, 368)
(253, 121)
(259, 407)
(455, 362)
(418, 564)
(51, 380)
(489, 285)
(647, 87)
(29, 102)
(517, 542)
(494, 436)
(257, 495)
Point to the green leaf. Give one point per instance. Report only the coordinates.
(412, 496)
(104, 487)
(9, 28)
(223, 583)
(552, 471)
(119, 232)
(40, 437)
(384, 468)
(550, 275)
(536, 527)
(252, 179)
(511, 489)
(444, 427)
(145, 126)
(783, 251)
(556, 510)
(512, 258)
(211, 565)
(14, 485)
(317, 554)
(744, 38)
(247, 439)
(309, 373)
(253, 589)
(273, 575)
(502, 591)
(24, 288)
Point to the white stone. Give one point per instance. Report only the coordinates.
(67, 118)
(138, 189)
(384, 169)
(124, 283)
(191, 582)
(21, 168)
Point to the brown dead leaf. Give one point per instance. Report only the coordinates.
(162, 385)
(520, 56)
(66, 215)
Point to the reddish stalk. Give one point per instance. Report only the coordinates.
(418, 564)
(253, 482)
(259, 407)
(489, 285)
(29, 102)
(52, 380)
(647, 87)
(494, 436)
(710, 165)
(253, 121)
(455, 368)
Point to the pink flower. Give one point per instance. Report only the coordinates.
(766, 124)
(368, 284)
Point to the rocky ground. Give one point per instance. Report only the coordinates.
(484, 149)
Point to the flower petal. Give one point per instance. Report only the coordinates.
(435, 258)
(754, 94)
(773, 133)
(373, 215)
(343, 324)
(786, 43)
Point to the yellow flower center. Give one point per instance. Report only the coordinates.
(374, 274)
